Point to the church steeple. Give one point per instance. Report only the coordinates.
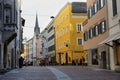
(36, 28)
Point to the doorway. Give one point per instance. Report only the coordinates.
(5, 56)
(60, 58)
(66, 58)
(104, 62)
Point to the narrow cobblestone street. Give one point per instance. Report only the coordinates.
(60, 73)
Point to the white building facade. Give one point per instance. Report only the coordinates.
(113, 40)
(51, 42)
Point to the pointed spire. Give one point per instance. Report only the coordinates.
(36, 29)
(36, 24)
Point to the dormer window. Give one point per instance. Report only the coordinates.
(7, 14)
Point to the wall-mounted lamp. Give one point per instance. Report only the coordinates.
(67, 43)
(52, 17)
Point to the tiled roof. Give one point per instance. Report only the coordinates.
(79, 7)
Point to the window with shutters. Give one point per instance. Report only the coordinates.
(93, 10)
(101, 3)
(78, 27)
(114, 6)
(103, 26)
(96, 30)
(95, 7)
(99, 28)
(98, 5)
(90, 33)
(90, 12)
(93, 31)
(86, 36)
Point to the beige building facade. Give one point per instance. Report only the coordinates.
(96, 31)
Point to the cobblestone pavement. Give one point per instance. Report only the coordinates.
(87, 73)
(29, 73)
(60, 73)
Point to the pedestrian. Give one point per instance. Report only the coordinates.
(80, 61)
(76, 61)
(44, 62)
(73, 62)
(21, 59)
(83, 61)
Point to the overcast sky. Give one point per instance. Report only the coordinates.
(44, 9)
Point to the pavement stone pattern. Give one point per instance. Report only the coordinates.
(60, 73)
(29, 73)
(89, 73)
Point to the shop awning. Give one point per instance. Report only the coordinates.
(111, 38)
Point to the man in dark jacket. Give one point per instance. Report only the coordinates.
(21, 59)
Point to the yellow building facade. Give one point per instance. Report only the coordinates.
(24, 53)
(69, 35)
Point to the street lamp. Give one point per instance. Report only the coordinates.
(52, 17)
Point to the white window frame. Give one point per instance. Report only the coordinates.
(96, 30)
(91, 32)
(95, 6)
(78, 41)
(90, 12)
(103, 26)
(79, 28)
(101, 3)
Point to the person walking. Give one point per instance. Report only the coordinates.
(83, 61)
(21, 59)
